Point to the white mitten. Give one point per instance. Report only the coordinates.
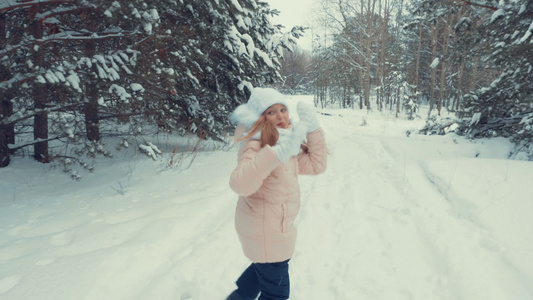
(307, 114)
(289, 145)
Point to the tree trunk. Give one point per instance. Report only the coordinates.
(442, 87)
(473, 79)
(384, 40)
(368, 51)
(418, 57)
(4, 149)
(7, 132)
(460, 74)
(40, 121)
(398, 101)
(90, 108)
(434, 43)
(40, 125)
(447, 31)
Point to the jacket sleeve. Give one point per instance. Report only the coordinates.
(314, 160)
(254, 166)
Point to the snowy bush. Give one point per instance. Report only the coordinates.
(440, 126)
(150, 149)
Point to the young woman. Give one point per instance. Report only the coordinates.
(271, 156)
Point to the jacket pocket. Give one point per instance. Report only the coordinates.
(283, 217)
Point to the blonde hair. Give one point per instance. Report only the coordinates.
(269, 132)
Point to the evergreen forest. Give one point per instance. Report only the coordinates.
(76, 73)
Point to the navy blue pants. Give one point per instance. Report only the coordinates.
(269, 279)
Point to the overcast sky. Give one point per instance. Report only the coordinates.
(292, 13)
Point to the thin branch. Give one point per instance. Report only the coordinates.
(13, 147)
(68, 37)
(31, 113)
(15, 4)
(479, 5)
(66, 11)
(488, 7)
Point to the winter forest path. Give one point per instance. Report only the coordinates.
(392, 218)
(379, 225)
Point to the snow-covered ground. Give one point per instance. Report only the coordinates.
(393, 217)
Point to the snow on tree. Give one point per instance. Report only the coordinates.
(82, 70)
(506, 105)
(494, 37)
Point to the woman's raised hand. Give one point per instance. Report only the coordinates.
(307, 114)
(289, 145)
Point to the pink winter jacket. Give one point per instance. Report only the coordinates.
(269, 196)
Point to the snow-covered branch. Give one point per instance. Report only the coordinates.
(479, 5)
(57, 12)
(116, 62)
(7, 5)
(14, 147)
(18, 117)
(69, 36)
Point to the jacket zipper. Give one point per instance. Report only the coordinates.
(283, 218)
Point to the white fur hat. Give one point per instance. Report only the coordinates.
(260, 99)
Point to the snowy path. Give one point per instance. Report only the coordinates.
(392, 218)
(379, 236)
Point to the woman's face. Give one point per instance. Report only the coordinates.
(278, 115)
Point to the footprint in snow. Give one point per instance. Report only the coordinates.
(45, 262)
(489, 245)
(61, 239)
(19, 229)
(186, 296)
(7, 283)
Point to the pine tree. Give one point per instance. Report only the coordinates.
(83, 70)
(493, 48)
(61, 66)
(505, 107)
